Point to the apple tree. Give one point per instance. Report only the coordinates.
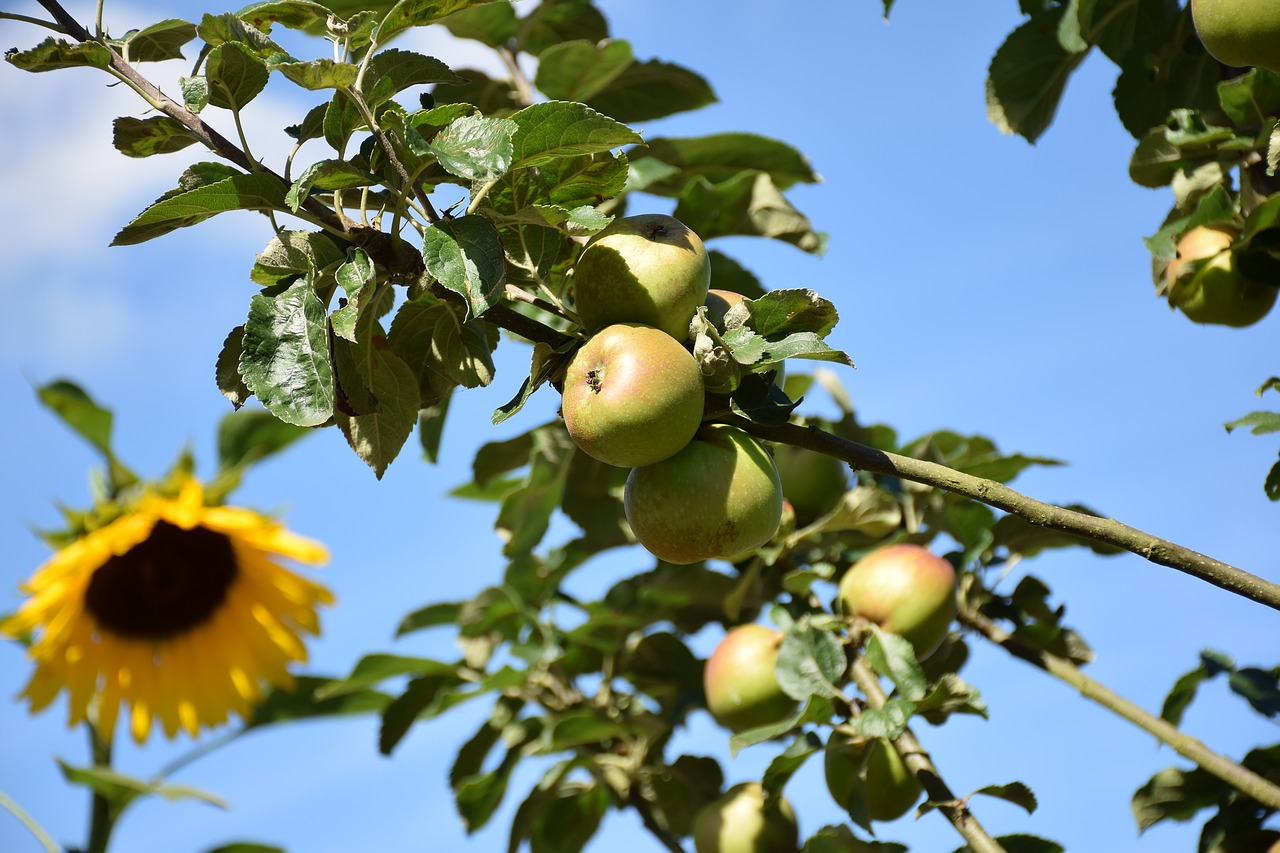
(681, 377)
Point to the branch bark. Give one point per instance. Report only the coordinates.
(919, 763)
(1157, 550)
(1238, 777)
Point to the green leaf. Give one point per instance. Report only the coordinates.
(579, 728)
(1174, 794)
(119, 790)
(431, 616)
(811, 661)
(54, 53)
(159, 42)
(246, 847)
(894, 658)
(493, 24)
(749, 348)
(195, 92)
(465, 255)
(392, 71)
(285, 361)
(1014, 792)
(135, 137)
(950, 695)
(294, 14)
(295, 253)
(785, 312)
(728, 274)
(1250, 98)
(576, 70)
(887, 722)
(226, 28)
(840, 839)
(1183, 693)
(526, 512)
(682, 788)
(557, 129)
(644, 91)
(236, 75)
(567, 821)
(327, 175)
(785, 764)
(1259, 687)
(417, 13)
(301, 702)
(440, 347)
(425, 697)
(545, 363)
(477, 148)
(377, 434)
(1029, 72)
(257, 191)
(1261, 422)
(246, 437)
(79, 412)
(816, 709)
(501, 457)
(1021, 843)
(549, 24)
(747, 204)
(720, 156)
(227, 369)
(373, 669)
(319, 74)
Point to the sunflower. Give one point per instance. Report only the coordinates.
(176, 608)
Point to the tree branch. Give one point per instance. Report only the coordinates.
(1159, 551)
(1240, 778)
(641, 805)
(919, 763)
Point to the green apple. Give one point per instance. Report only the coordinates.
(718, 303)
(740, 681)
(718, 496)
(632, 396)
(1216, 293)
(813, 482)
(904, 589)
(738, 822)
(889, 788)
(1239, 32)
(649, 269)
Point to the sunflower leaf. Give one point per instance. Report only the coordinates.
(88, 420)
(120, 790)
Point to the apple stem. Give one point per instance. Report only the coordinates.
(1240, 778)
(919, 763)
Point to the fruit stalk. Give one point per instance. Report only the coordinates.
(1228, 771)
(919, 763)
(1159, 551)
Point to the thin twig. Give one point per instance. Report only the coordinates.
(1238, 777)
(922, 767)
(641, 805)
(384, 142)
(1159, 551)
(27, 19)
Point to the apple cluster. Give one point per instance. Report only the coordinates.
(903, 589)
(633, 396)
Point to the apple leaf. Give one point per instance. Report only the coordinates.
(950, 695)
(867, 510)
(285, 359)
(886, 722)
(294, 14)
(546, 362)
(327, 175)
(138, 137)
(557, 129)
(526, 512)
(227, 28)
(816, 709)
(1261, 422)
(465, 255)
(785, 764)
(157, 43)
(840, 839)
(576, 70)
(811, 661)
(1021, 843)
(431, 420)
(417, 13)
(758, 398)
(179, 208)
(1030, 70)
(757, 351)
(477, 148)
(442, 349)
(294, 253)
(235, 76)
(748, 204)
(893, 657)
(120, 790)
(54, 53)
(373, 669)
(319, 73)
(644, 91)
(227, 369)
(1014, 792)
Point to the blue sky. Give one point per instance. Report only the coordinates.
(984, 285)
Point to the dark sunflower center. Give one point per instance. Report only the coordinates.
(165, 585)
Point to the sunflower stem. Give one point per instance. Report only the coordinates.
(195, 753)
(102, 818)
